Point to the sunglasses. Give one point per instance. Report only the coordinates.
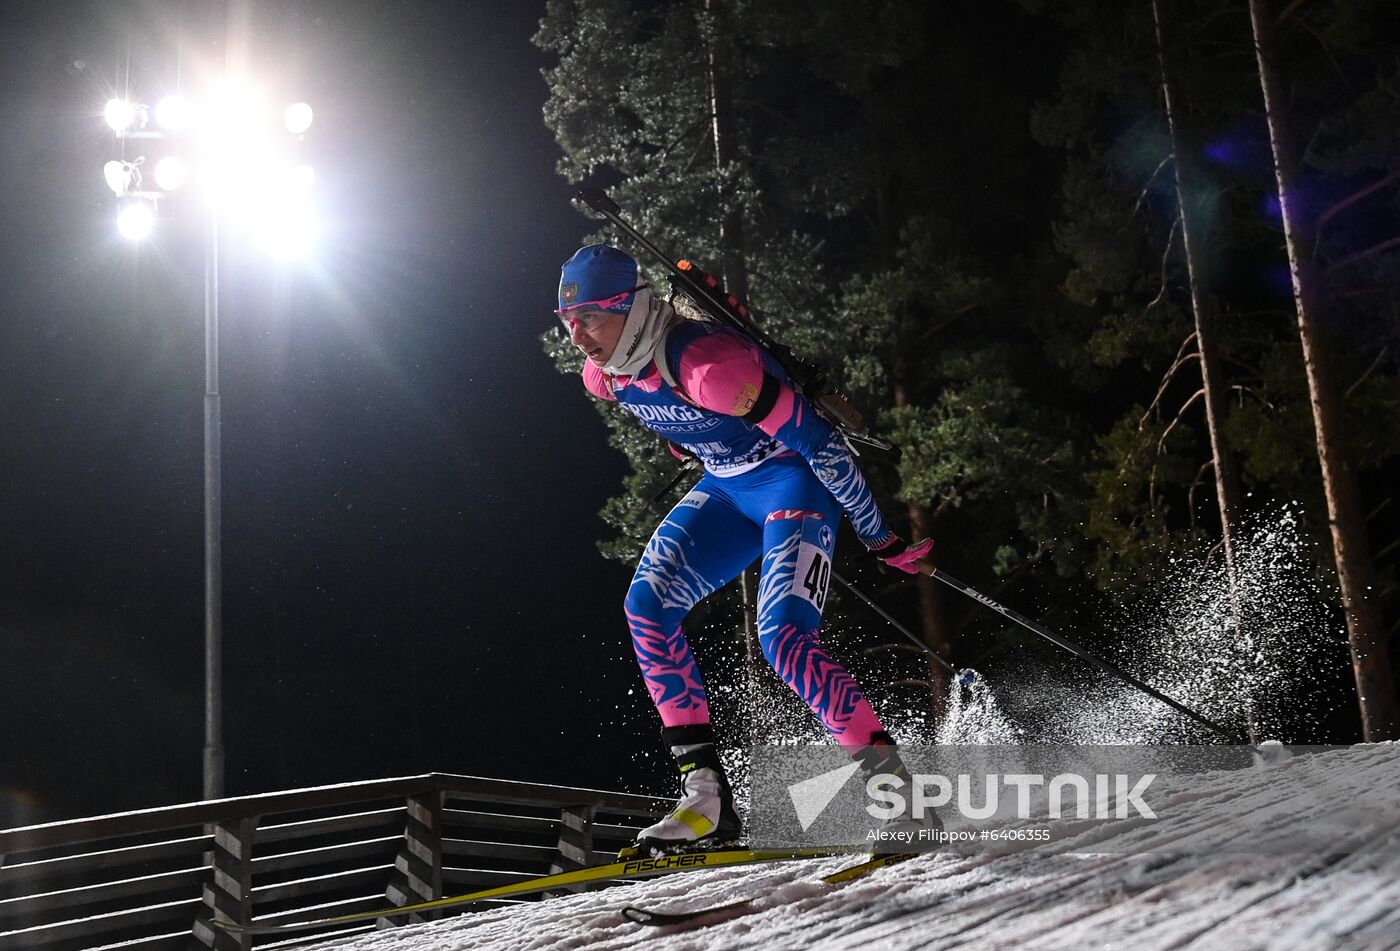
(595, 310)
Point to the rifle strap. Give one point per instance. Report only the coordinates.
(663, 362)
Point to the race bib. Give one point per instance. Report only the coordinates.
(813, 575)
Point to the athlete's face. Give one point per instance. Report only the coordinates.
(596, 333)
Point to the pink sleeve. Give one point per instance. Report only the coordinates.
(596, 381)
(723, 372)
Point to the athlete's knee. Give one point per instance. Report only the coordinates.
(648, 618)
(786, 647)
(641, 602)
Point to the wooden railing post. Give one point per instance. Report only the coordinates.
(575, 840)
(166, 877)
(419, 862)
(230, 896)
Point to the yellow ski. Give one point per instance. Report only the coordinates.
(632, 868)
(661, 919)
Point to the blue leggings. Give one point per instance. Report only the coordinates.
(778, 510)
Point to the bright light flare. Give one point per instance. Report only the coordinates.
(281, 217)
(232, 156)
(297, 118)
(234, 114)
(236, 173)
(136, 221)
(287, 229)
(297, 180)
(119, 114)
(173, 113)
(171, 172)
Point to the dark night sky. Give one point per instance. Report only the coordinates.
(410, 489)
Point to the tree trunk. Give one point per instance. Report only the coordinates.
(1212, 382)
(933, 616)
(1370, 654)
(1213, 387)
(734, 273)
(933, 619)
(731, 225)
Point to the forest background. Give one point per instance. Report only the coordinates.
(1101, 320)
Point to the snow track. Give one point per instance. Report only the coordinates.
(1189, 893)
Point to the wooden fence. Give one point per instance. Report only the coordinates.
(157, 878)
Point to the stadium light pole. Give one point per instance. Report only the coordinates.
(281, 189)
(213, 523)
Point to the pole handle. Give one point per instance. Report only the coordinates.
(598, 200)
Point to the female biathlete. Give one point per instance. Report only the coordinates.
(777, 478)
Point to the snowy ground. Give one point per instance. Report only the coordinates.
(1100, 898)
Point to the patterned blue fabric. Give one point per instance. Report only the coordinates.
(723, 443)
(783, 513)
(728, 445)
(831, 460)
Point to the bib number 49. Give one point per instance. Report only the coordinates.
(817, 577)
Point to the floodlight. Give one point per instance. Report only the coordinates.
(171, 172)
(173, 113)
(136, 220)
(297, 118)
(118, 175)
(119, 114)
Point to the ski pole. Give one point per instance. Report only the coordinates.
(1074, 648)
(965, 676)
(685, 471)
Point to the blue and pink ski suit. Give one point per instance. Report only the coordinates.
(774, 486)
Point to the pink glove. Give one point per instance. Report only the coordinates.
(901, 556)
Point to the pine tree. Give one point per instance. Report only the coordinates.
(1120, 231)
(1375, 680)
(828, 193)
(1122, 238)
